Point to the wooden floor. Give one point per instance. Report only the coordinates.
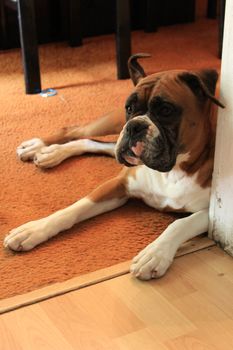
(190, 308)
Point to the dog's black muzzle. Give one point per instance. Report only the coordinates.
(134, 131)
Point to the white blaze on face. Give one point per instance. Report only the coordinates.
(153, 131)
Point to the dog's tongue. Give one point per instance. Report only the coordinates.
(131, 160)
(137, 151)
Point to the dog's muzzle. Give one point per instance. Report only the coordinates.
(142, 142)
(131, 142)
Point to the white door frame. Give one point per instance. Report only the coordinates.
(221, 202)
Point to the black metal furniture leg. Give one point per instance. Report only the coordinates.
(123, 38)
(75, 23)
(212, 9)
(3, 32)
(28, 39)
(151, 21)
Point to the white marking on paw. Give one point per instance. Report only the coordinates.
(27, 150)
(50, 156)
(28, 236)
(153, 261)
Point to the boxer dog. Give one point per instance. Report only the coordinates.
(166, 143)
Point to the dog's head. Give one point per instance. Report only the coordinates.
(165, 115)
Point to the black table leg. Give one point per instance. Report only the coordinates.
(3, 32)
(75, 23)
(151, 20)
(123, 38)
(28, 39)
(212, 9)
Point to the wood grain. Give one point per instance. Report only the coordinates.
(89, 279)
(190, 308)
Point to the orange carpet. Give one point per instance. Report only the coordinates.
(85, 78)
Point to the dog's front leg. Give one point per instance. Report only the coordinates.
(111, 123)
(155, 259)
(106, 197)
(48, 157)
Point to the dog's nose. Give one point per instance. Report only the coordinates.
(134, 127)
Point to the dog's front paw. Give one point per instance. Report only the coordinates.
(27, 236)
(48, 157)
(27, 150)
(153, 261)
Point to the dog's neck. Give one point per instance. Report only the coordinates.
(201, 158)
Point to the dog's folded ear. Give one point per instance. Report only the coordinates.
(209, 78)
(202, 84)
(135, 70)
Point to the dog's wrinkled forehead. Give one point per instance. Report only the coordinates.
(178, 86)
(158, 89)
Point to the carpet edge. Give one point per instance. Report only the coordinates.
(83, 281)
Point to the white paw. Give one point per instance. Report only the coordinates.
(48, 157)
(27, 236)
(27, 149)
(153, 261)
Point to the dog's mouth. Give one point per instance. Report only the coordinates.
(131, 156)
(154, 155)
(130, 159)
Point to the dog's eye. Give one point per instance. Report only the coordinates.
(129, 109)
(166, 110)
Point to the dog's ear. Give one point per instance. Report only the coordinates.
(202, 84)
(135, 70)
(209, 78)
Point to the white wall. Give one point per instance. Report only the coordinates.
(221, 206)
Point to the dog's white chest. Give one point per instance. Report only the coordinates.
(168, 190)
